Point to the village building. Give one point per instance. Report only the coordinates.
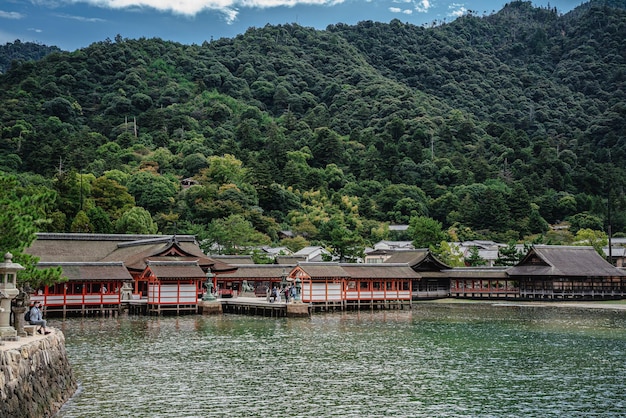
(378, 256)
(289, 259)
(394, 245)
(188, 182)
(618, 255)
(313, 254)
(273, 252)
(488, 251)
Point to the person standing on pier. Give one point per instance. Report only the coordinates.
(286, 292)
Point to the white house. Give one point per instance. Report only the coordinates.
(312, 253)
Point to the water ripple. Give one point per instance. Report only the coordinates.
(452, 361)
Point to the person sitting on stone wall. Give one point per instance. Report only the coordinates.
(36, 318)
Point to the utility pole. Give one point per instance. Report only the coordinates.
(432, 148)
(608, 204)
(81, 190)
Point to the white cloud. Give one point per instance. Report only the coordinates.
(399, 10)
(456, 10)
(228, 8)
(11, 15)
(422, 6)
(81, 18)
(193, 7)
(35, 30)
(230, 15)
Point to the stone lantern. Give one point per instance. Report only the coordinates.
(210, 276)
(8, 292)
(298, 289)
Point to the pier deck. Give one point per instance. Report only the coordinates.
(261, 306)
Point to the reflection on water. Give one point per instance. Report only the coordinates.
(436, 360)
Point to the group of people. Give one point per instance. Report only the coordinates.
(277, 294)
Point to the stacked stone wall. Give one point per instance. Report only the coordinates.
(36, 378)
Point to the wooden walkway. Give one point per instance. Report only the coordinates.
(260, 306)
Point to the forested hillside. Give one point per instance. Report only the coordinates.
(22, 51)
(493, 126)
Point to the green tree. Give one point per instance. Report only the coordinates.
(224, 170)
(136, 221)
(347, 245)
(597, 239)
(474, 259)
(100, 221)
(584, 220)
(536, 223)
(81, 223)
(22, 214)
(509, 255)
(111, 196)
(295, 244)
(426, 232)
(153, 192)
(448, 254)
(233, 235)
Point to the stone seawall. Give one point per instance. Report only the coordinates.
(36, 378)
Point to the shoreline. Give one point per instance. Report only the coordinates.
(619, 305)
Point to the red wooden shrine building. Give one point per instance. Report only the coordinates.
(355, 285)
(166, 273)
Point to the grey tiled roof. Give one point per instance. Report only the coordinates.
(91, 271)
(564, 261)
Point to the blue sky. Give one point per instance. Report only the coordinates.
(73, 24)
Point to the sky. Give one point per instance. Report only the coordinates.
(74, 24)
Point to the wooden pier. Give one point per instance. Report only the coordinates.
(262, 307)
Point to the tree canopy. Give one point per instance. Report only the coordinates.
(494, 126)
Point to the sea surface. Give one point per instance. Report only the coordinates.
(436, 360)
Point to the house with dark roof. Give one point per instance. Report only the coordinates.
(567, 272)
(433, 281)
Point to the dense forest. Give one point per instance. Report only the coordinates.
(493, 127)
(22, 51)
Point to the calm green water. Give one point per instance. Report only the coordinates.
(434, 361)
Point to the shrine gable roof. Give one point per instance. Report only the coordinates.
(420, 260)
(170, 269)
(380, 271)
(132, 250)
(564, 261)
